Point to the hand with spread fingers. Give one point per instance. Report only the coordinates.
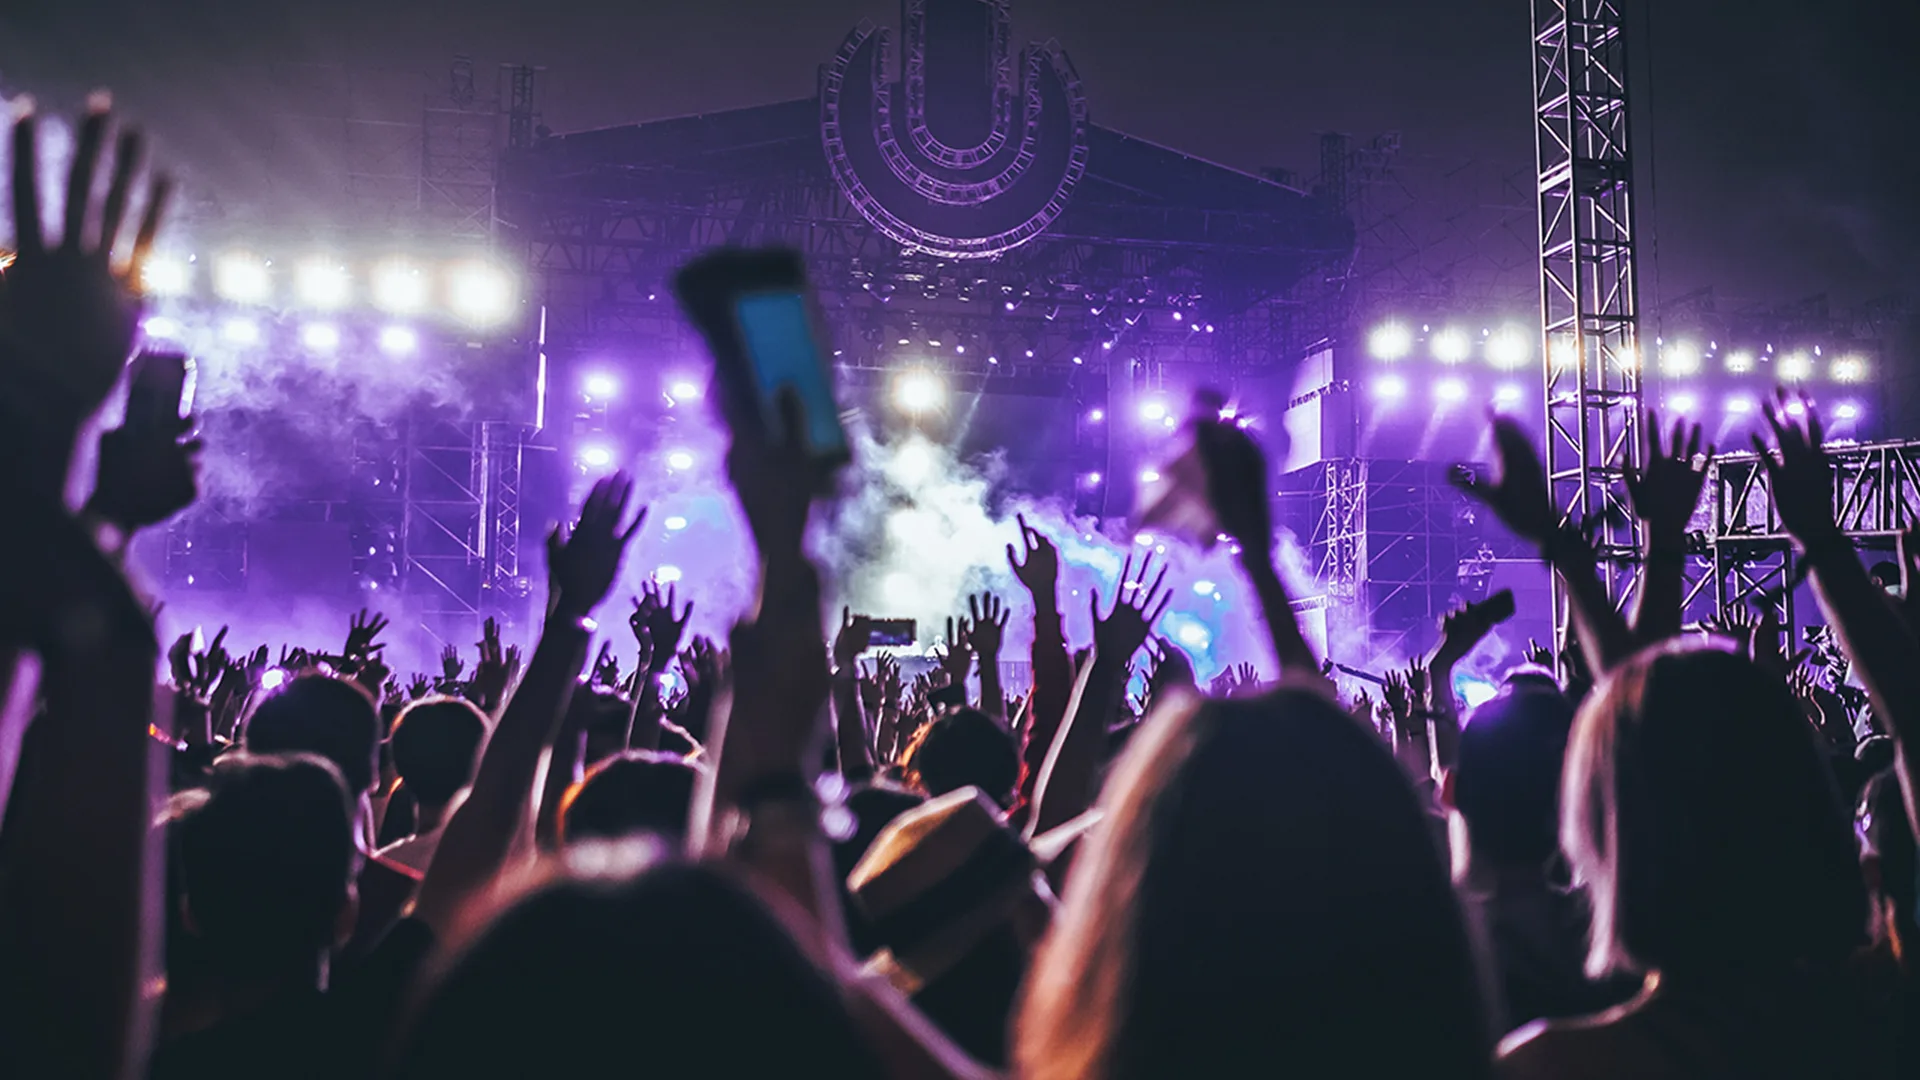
(1137, 606)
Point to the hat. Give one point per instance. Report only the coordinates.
(942, 877)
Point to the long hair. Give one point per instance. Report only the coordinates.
(1698, 811)
(1266, 893)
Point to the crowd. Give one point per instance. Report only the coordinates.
(1657, 852)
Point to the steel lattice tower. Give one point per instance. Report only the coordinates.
(1588, 287)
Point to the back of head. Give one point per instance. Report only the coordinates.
(634, 792)
(1265, 893)
(1887, 833)
(604, 715)
(436, 747)
(1506, 773)
(266, 861)
(1700, 812)
(966, 748)
(319, 714)
(673, 971)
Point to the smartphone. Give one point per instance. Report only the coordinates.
(756, 310)
(159, 390)
(893, 632)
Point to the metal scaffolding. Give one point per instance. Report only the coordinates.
(1588, 289)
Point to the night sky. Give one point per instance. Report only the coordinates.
(1781, 133)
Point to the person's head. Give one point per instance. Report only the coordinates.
(955, 899)
(1266, 891)
(965, 748)
(320, 714)
(1702, 816)
(605, 716)
(1891, 865)
(674, 970)
(436, 746)
(264, 864)
(636, 791)
(1505, 780)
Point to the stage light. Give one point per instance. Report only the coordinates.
(1740, 362)
(160, 326)
(1508, 394)
(164, 275)
(1149, 476)
(1850, 369)
(242, 279)
(1153, 411)
(1679, 358)
(480, 293)
(1204, 587)
(271, 679)
(1739, 405)
(600, 384)
(1097, 415)
(917, 392)
(240, 331)
(1846, 410)
(1193, 634)
(398, 340)
(1626, 358)
(680, 459)
(322, 283)
(666, 575)
(1562, 353)
(1078, 360)
(1683, 403)
(1475, 691)
(595, 457)
(399, 287)
(684, 390)
(1390, 341)
(993, 360)
(1508, 349)
(1143, 539)
(1093, 479)
(320, 337)
(1796, 408)
(1450, 390)
(675, 523)
(1450, 346)
(1389, 387)
(1794, 367)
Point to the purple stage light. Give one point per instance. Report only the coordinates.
(1389, 387)
(1149, 476)
(1846, 410)
(595, 457)
(1450, 390)
(667, 575)
(1739, 405)
(684, 390)
(1153, 411)
(1177, 316)
(1508, 394)
(320, 337)
(1450, 346)
(241, 331)
(1508, 348)
(1683, 403)
(675, 523)
(1794, 367)
(1390, 341)
(398, 341)
(160, 326)
(680, 460)
(1097, 415)
(1740, 362)
(1849, 369)
(600, 384)
(1093, 479)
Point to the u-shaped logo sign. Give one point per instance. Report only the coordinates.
(970, 154)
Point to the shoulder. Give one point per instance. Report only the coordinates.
(1567, 1049)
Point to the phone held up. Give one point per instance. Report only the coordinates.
(757, 312)
(159, 391)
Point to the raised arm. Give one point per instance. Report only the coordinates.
(1037, 567)
(988, 629)
(496, 816)
(850, 733)
(1460, 632)
(1237, 488)
(1664, 496)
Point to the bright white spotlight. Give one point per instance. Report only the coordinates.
(398, 340)
(1097, 415)
(1680, 358)
(600, 384)
(322, 283)
(675, 523)
(240, 331)
(1508, 394)
(1740, 362)
(1450, 390)
(680, 459)
(666, 575)
(161, 326)
(1149, 476)
(1193, 635)
(595, 457)
(1562, 353)
(320, 337)
(1846, 410)
(1683, 403)
(684, 390)
(1795, 366)
(1451, 346)
(1626, 358)
(1390, 341)
(272, 679)
(1508, 349)
(1153, 411)
(1389, 387)
(164, 275)
(1093, 479)
(399, 287)
(1204, 587)
(242, 278)
(1739, 405)
(917, 392)
(1849, 369)
(480, 293)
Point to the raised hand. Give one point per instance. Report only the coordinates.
(1136, 607)
(1418, 684)
(1517, 491)
(1799, 473)
(1537, 653)
(1394, 695)
(1237, 485)
(583, 563)
(419, 687)
(886, 672)
(606, 667)
(1465, 627)
(180, 660)
(147, 474)
(664, 628)
(1039, 571)
(988, 626)
(451, 665)
(1667, 489)
(490, 673)
(204, 668)
(69, 314)
(362, 629)
(854, 638)
(957, 661)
